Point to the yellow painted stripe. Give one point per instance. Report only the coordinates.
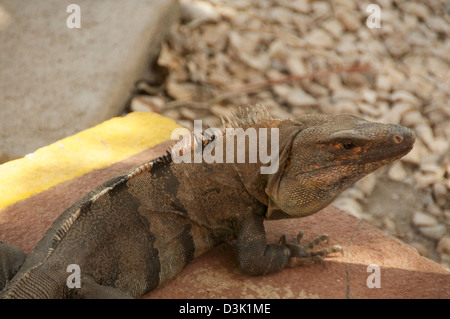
(71, 157)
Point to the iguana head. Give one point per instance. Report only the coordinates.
(320, 156)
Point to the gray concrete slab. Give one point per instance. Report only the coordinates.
(56, 81)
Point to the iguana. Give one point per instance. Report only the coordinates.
(140, 229)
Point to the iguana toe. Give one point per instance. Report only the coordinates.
(304, 255)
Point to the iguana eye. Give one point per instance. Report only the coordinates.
(348, 145)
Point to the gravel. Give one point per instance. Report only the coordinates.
(290, 56)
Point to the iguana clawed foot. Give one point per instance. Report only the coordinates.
(303, 255)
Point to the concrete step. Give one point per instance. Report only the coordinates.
(70, 168)
(55, 80)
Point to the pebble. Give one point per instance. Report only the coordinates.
(147, 104)
(412, 119)
(397, 111)
(397, 173)
(198, 11)
(444, 245)
(420, 10)
(334, 27)
(301, 6)
(423, 219)
(370, 96)
(348, 19)
(434, 232)
(319, 38)
(425, 133)
(297, 97)
(405, 96)
(441, 194)
(367, 184)
(349, 205)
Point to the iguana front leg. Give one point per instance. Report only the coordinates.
(11, 259)
(256, 257)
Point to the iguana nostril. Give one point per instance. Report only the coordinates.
(397, 139)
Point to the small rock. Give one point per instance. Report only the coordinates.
(346, 44)
(444, 245)
(295, 65)
(405, 96)
(412, 119)
(188, 114)
(319, 38)
(368, 109)
(297, 97)
(433, 209)
(369, 96)
(181, 91)
(423, 180)
(395, 114)
(396, 46)
(346, 107)
(281, 15)
(425, 133)
(196, 11)
(147, 104)
(299, 6)
(445, 260)
(420, 10)
(355, 193)
(367, 184)
(348, 205)
(396, 76)
(227, 12)
(315, 89)
(433, 232)
(423, 219)
(345, 94)
(447, 216)
(389, 225)
(422, 85)
(348, 19)
(334, 27)
(320, 9)
(438, 24)
(217, 37)
(415, 154)
(438, 67)
(396, 172)
(383, 83)
(282, 90)
(440, 193)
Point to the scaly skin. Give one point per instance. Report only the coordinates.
(140, 229)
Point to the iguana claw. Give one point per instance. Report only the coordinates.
(303, 255)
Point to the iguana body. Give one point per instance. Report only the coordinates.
(140, 229)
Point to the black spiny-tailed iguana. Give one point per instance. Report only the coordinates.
(139, 230)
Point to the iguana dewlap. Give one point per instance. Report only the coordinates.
(139, 230)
